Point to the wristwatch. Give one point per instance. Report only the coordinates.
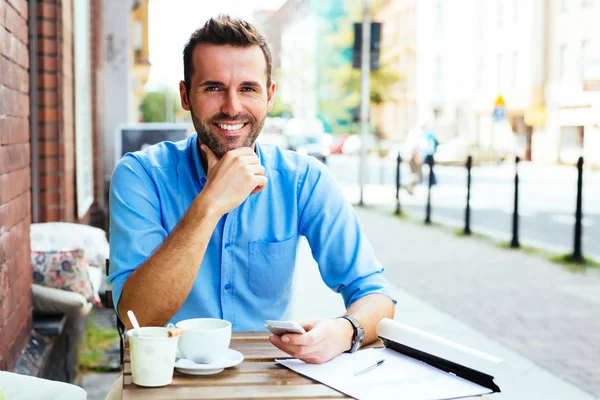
(359, 333)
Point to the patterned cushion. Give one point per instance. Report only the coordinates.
(63, 236)
(66, 270)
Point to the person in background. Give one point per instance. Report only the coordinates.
(428, 147)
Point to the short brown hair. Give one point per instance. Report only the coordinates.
(225, 30)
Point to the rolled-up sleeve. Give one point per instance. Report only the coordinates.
(135, 220)
(345, 257)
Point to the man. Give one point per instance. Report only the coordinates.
(208, 227)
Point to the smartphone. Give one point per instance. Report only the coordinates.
(282, 327)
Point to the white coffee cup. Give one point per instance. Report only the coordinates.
(153, 355)
(204, 340)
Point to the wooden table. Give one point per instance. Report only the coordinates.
(257, 377)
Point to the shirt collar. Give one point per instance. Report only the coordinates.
(198, 162)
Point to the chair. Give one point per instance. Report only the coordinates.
(108, 303)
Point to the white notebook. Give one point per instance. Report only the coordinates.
(417, 365)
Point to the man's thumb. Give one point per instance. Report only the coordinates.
(211, 158)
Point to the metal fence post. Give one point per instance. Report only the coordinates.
(467, 230)
(430, 162)
(577, 254)
(515, 223)
(398, 184)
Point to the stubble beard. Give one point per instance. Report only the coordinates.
(219, 144)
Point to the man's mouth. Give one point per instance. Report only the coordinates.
(231, 128)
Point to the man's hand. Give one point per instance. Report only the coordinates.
(323, 340)
(230, 180)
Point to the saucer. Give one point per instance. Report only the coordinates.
(230, 359)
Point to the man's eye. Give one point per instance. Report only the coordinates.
(212, 88)
(248, 89)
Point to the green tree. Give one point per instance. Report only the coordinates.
(280, 109)
(339, 108)
(154, 106)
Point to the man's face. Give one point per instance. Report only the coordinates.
(228, 96)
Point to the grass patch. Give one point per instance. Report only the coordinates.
(571, 264)
(96, 343)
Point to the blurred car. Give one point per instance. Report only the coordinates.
(309, 145)
(307, 136)
(337, 143)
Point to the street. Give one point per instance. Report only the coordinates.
(547, 199)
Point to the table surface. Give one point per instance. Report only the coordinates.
(257, 377)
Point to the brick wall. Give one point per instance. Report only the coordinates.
(56, 110)
(15, 182)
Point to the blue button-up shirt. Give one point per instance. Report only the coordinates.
(246, 274)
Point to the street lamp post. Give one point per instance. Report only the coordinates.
(364, 95)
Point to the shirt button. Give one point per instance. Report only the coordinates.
(227, 245)
(203, 181)
(227, 287)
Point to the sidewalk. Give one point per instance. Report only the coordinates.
(542, 319)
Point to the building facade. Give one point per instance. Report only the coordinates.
(50, 140)
(573, 89)
(398, 52)
(140, 50)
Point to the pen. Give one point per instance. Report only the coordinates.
(370, 367)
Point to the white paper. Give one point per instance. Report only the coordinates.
(399, 377)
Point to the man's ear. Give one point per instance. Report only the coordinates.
(270, 96)
(184, 96)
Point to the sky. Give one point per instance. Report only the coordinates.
(171, 22)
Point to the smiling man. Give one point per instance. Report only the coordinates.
(208, 227)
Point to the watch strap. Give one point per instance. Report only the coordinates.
(358, 337)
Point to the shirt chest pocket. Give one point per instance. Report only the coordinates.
(271, 267)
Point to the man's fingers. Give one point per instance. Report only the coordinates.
(261, 182)
(211, 158)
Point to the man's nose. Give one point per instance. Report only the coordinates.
(232, 105)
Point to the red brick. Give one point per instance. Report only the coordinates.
(2, 14)
(21, 7)
(47, 28)
(47, 63)
(12, 213)
(49, 165)
(49, 131)
(47, 81)
(13, 130)
(3, 40)
(16, 77)
(52, 196)
(48, 115)
(49, 181)
(4, 281)
(50, 148)
(12, 323)
(16, 24)
(46, 11)
(14, 157)
(52, 213)
(13, 184)
(47, 47)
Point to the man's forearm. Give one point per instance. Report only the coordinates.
(369, 311)
(157, 289)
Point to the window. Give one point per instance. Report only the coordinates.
(563, 62)
(139, 36)
(499, 11)
(438, 74)
(439, 13)
(584, 56)
(515, 69)
(499, 72)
